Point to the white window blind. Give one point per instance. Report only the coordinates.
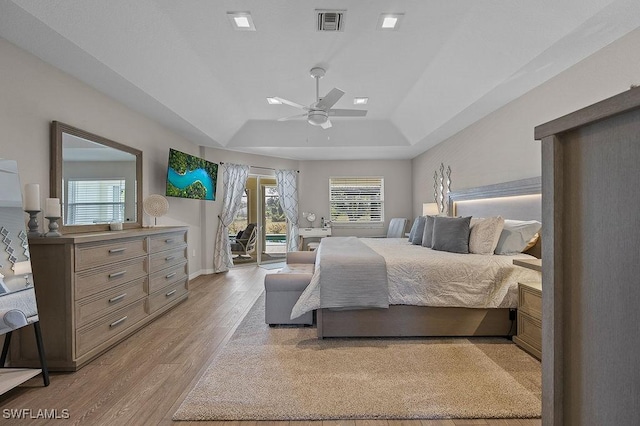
(95, 201)
(356, 199)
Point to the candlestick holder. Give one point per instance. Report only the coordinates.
(33, 223)
(53, 227)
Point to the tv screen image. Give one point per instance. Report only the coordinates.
(191, 177)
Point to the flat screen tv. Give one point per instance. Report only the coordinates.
(191, 177)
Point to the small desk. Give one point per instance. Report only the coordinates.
(312, 233)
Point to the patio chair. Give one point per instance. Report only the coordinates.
(246, 244)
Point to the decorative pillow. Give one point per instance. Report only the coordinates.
(516, 235)
(413, 229)
(485, 234)
(417, 236)
(427, 235)
(451, 234)
(532, 242)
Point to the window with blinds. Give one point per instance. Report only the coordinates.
(356, 200)
(95, 201)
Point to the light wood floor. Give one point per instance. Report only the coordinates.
(143, 380)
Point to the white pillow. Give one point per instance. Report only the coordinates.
(516, 235)
(485, 234)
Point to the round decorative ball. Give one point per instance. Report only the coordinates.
(155, 205)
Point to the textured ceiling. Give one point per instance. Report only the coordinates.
(450, 64)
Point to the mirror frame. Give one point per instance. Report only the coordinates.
(55, 179)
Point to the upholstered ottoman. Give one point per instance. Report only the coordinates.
(283, 289)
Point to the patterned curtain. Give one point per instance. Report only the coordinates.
(287, 183)
(234, 180)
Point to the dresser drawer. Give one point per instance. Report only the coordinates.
(94, 307)
(530, 300)
(529, 334)
(100, 331)
(166, 259)
(168, 241)
(167, 295)
(161, 279)
(90, 282)
(98, 254)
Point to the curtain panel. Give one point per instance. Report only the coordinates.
(234, 181)
(287, 184)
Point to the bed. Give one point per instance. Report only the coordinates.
(440, 311)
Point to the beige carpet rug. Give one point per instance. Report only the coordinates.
(286, 373)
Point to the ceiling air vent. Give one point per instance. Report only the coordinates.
(330, 20)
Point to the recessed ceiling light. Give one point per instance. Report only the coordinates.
(390, 21)
(360, 101)
(273, 101)
(241, 21)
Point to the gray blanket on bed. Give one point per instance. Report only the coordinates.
(351, 275)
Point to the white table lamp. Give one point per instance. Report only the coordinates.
(23, 268)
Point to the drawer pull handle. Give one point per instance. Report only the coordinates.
(118, 250)
(169, 240)
(171, 293)
(115, 299)
(120, 321)
(171, 275)
(117, 274)
(168, 258)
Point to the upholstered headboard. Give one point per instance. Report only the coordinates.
(518, 200)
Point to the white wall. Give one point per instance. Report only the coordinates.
(496, 149)
(501, 146)
(314, 189)
(35, 93)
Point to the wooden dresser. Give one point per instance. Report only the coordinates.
(95, 289)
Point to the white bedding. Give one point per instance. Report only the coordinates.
(420, 276)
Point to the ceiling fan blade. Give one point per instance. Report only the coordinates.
(347, 112)
(326, 124)
(290, 103)
(291, 117)
(332, 97)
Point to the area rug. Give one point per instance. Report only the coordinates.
(286, 373)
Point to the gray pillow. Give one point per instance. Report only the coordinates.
(413, 229)
(451, 234)
(516, 235)
(427, 235)
(417, 236)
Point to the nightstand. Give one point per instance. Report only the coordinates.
(529, 335)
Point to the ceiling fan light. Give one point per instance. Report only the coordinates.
(317, 118)
(360, 100)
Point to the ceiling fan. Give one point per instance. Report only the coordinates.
(318, 113)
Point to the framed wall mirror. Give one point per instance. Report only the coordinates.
(97, 180)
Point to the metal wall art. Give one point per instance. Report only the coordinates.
(442, 188)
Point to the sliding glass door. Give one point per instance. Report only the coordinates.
(260, 209)
(274, 223)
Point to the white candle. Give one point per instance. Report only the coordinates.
(52, 207)
(32, 197)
